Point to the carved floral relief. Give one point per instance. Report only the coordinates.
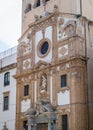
(26, 64)
(63, 51)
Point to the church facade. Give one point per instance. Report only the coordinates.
(54, 67)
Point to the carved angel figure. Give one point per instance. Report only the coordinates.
(39, 109)
(42, 107)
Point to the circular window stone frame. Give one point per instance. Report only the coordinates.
(40, 45)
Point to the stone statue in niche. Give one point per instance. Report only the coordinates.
(43, 83)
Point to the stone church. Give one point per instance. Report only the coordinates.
(55, 66)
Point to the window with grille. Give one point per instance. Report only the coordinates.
(42, 126)
(63, 80)
(7, 78)
(26, 90)
(64, 122)
(6, 101)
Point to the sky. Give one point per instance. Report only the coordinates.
(10, 23)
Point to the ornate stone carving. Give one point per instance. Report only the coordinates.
(43, 83)
(36, 17)
(70, 28)
(41, 64)
(60, 28)
(19, 81)
(26, 64)
(63, 50)
(47, 22)
(65, 110)
(27, 47)
(55, 8)
(29, 35)
(39, 109)
(42, 107)
(60, 21)
(27, 79)
(54, 70)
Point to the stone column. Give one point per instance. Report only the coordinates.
(56, 124)
(49, 125)
(29, 124)
(35, 126)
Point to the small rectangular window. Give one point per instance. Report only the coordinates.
(63, 80)
(26, 90)
(6, 101)
(64, 122)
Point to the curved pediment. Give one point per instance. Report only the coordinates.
(41, 64)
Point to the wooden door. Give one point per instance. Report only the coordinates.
(43, 126)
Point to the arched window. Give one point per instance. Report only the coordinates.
(28, 8)
(7, 78)
(38, 3)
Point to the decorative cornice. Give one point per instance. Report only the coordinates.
(43, 19)
(8, 67)
(78, 59)
(71, 38)
(35, 25)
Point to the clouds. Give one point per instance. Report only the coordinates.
(10, 22)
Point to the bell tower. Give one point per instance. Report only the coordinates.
(30, 8)
(52, 93)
